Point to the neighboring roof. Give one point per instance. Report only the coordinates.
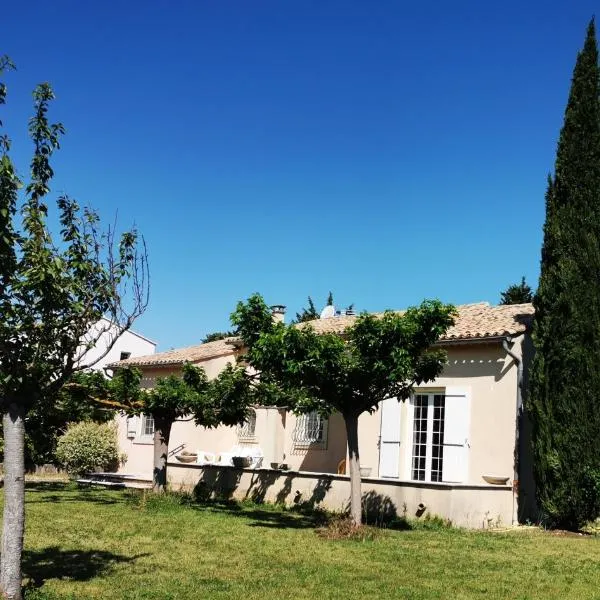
(474, 322)
(136, 333)
(180, 355)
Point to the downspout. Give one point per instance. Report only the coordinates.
(519, 407)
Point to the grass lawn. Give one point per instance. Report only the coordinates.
(102, 544)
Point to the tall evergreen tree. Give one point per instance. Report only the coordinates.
(564, 393)
(517, 293)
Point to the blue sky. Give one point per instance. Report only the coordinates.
(387, 151)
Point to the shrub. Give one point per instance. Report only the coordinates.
(88, 446)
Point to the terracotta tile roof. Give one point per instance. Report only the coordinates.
(474, 321)
(179, 356)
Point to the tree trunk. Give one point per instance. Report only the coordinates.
(354, 459)
(162, 433)
(14, 502)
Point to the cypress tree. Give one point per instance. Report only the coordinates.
(564, 392)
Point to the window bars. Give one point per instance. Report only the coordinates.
(247, 430)
(310, 429)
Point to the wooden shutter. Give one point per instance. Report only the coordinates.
(457, 423)
(389, 449)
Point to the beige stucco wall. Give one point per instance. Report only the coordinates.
(321, 458)
(139, 450)
(491, 377)
(484, 369)
(466, 506)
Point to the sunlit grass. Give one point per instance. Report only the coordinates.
(101, 544)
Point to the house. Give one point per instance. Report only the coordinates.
(455, 448)
(105, 344)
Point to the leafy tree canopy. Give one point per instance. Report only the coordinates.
(217, 335)
(56, 293)
(517, 293)
(376, 358)
(190, 395)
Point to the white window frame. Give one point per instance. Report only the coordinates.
(430, 395)
(302, 438)
(142, 437)
(247, 431)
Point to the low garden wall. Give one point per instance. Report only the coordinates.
(472, 506)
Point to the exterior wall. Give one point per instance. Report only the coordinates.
(473, 506)
(491, 376)
(139, 449)
(129, 341)
(322, 458)
(485, 370)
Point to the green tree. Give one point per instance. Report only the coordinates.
(53, 294)
(217, 335)
(185, 397)
(308, 313)
(517, 293)
(49, 418)
(564, 392)
(376, 358)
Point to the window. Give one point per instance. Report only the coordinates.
(125, 355)
(428, 437)
(248, 429)
(311, 428)
(147, 426)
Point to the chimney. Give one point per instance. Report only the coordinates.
(278, 312)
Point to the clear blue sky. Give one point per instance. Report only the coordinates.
(387, 151)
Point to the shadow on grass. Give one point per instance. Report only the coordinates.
(49, 486)
(271, 515)
(76, 565)
(66, 492)
(378, 510)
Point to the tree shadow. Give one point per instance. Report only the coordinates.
(273, 517)
(311, 502)
(67, 492)
(76, 565)
(216, 484)
(48, 486)
(378, 510)
(216, 489)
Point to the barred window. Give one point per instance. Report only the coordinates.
(248, 428)
(311, 428)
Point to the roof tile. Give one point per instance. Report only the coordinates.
(474, 321)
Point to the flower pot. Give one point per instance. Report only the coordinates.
(242, 462)
(494, 480)
(187, 458)
(277, 466)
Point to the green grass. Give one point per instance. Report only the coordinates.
(101, 544)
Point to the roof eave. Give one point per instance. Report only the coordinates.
(487, 339)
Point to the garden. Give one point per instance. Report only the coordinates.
(96, 543)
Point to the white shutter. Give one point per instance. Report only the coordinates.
(457, 422)
(389, 450)
(132, 424)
